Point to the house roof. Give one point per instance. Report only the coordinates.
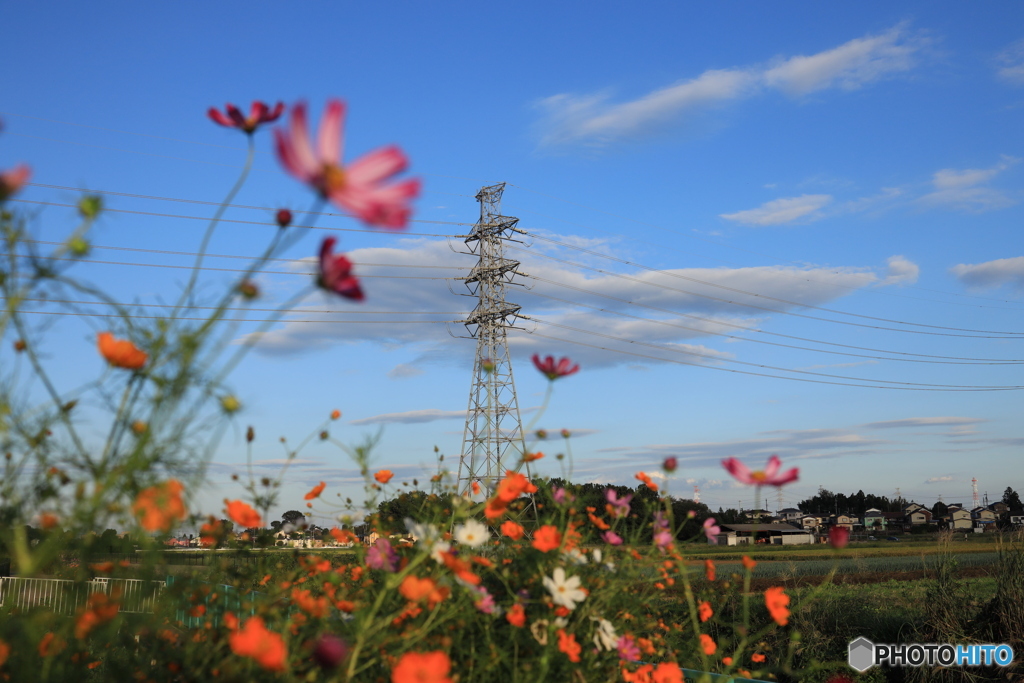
(784, 528)
(789, 510)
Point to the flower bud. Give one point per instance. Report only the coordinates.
(541, 434)
(335, 414)
(488, 365)
(566, 433)
(283, 218)
(248, 290)
(20, 345)
(250, 434)
(324, 435)
(670, 464)
(330, 651)
(139, 427)
(90, 206)
(230, 404)
(78, 246)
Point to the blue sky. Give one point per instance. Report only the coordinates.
(859, 159)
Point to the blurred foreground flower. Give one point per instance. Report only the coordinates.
(564, 590)
(160, 507)
(240, 513)
(838, 536)
(776, 600)
(261, 644)
(361, 187)
(769, 475)
(553, 370)
(383, 476)
(336, 272)
(11, 181)
(259, 114)
(422, 667)
(120, 353)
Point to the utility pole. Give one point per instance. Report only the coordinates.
(494, 428)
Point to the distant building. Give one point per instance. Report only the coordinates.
(789, 514)
(958, 518)
(775, 534)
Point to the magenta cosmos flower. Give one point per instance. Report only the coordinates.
(11, 181)
(259, 113)
(769, 475)
(336, 272)
(711, 530)
(360, 187)
(553, 370)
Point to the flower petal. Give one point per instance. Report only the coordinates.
(329, 140)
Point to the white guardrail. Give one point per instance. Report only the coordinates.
(62, 596)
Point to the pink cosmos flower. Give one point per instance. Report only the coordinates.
(627, 649)
(838, 537)
(611, 538)
(553, 370)
(558, 495)
(11, 181)
(769, 475)
(711, 530)
(360, 187)
(484, 601)
(259, 113)
(336, 272)
(619, 507)
(382, 556)
(662, 539)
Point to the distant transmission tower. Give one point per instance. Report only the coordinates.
(974, 492)
(696, 493)
(493, 423)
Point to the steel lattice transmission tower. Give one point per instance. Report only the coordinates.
(494, 429)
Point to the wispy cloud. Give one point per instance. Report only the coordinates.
(411, 417)
(913, 422)
(785, 210)
(991, 274)
(901, 271)
(937, 480)
(595, 119)
(1010, 63)
(966, 189)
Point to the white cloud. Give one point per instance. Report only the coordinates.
(412, 417)
(1011, 63)
(594, 119)
(901, 271)
(912, 422)
(936, 480)
(964, 189)
(849, 66)
(780, 211)
(404, 370)
(991, 274)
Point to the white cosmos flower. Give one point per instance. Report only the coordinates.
(564, 591)
(604, 634)
(439, 547)
(575, 556)
(472, 533)
(425, 534)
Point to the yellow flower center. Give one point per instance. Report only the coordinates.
(332, 178)
(759, 475)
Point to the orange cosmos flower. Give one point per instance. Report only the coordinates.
(642, 476)
(335, 414)
(598, 522)
(48, 520)
(120, 353)
(757, 657)
(749, 563)
(530, 457)
(99, 609)
(416, 589)
(516, 615)
(243, 515)
(512, 486)
(316, 491)
(668, 672)
(384, 476)
(775, 599)
(709, 570)
(512, 530)
(568, 645)
(422, 667)
(704, 611)
(707, 644)
(547, 538)
(262, 645)
(343, 535)
(495, 508)
(314, 607)
(160, 507)
(50, 644)
(5, 652)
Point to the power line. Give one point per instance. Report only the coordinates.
(762, 365)
(724, 323)
(786, 346)
(669, 273)
(1014, 335)
(89, 314)
(708, 241)
(745, 372)
(244, 308)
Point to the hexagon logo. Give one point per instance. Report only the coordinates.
(862, 654)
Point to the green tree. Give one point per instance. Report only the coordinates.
(1012, 499)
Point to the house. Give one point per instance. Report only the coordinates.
(845, 521)
(874, 519)
(983, 516)
(775, 534)
(790, 514)
(894, 520)
(756, 514)
(917, 516)
(958, 518)
(1017, 517)
(999, 507)
(911, 507)
(806, 522)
